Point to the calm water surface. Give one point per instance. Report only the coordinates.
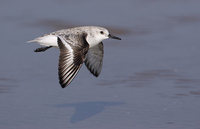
(150, 79)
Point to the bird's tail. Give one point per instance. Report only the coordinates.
(47, 40)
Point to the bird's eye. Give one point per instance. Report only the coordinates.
(101, 32)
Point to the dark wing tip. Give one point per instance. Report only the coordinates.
(96, 74)
(63, 85)
(61, 81)
(69, 80)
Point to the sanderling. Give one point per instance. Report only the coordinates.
(77, 46)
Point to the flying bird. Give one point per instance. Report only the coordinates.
(77, 45)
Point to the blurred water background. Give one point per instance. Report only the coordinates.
(150, 79)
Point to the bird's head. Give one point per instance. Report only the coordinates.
(98, 34)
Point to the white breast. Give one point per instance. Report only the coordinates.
(93, 41)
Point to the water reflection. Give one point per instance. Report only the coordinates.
(59, 24)
(185, 19)
(6, 84)
(140, 79)
(85, 110)
(195, 92)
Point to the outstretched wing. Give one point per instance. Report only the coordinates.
(94, 59)
(71, 59)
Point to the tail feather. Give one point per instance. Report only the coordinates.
(47, 40)
(31, 41)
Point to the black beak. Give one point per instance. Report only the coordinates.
(114, 37)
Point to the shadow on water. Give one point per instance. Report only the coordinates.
(85, 110)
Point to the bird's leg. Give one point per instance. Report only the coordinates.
(42, 49)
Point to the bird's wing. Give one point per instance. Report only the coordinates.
(71, 58)
(42, 49)
(94, 59)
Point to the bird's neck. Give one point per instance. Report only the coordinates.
(92, 41)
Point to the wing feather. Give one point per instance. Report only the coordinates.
(94, 59)
(70, 60)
